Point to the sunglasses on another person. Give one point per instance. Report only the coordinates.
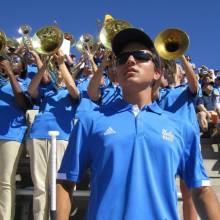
(138, 55)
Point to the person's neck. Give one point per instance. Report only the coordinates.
(174, 84)
(140, 98)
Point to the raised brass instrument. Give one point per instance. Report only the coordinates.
(2, 41)
(7, 48)
(3, 76)
(47, 40)
(110, 28)
(11, 44)
(25, 30)
(69, 36)
(86, 43)
(7, 45)
(171, 43)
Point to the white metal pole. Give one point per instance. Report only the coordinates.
(53, 173)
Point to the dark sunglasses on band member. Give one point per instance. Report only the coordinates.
(138, 55)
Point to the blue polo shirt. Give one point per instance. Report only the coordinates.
(181, 101)
(32, 70)
(13, 123)
(110, 92)
(134, 156)
(85, 103)
(57, 112)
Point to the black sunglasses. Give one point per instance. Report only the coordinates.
(138, 55)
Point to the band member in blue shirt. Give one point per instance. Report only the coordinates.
(134, 149)
(57, 108)
(180, 99)
(103, 87)
(13, 104)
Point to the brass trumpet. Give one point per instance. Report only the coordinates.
(171, 43)
(12, 44)
(87, 43)
(7, 45)
(69, 36)
(2, 41)
(25, 30)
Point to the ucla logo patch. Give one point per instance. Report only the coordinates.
(167, 135)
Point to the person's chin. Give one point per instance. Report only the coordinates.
(131, 82)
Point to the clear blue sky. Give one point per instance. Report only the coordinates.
(200, 19)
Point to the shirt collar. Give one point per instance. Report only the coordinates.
(152, 107)
(19, 79)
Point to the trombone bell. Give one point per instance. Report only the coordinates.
(171, 43)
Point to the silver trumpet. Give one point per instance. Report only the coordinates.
(25, 30)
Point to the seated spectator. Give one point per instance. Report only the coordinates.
(208, 107)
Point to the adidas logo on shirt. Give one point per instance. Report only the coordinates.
(109, 131)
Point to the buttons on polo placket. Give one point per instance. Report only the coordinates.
(135, 110)
(139, 123)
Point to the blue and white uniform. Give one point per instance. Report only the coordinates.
(181, 101)
(110, 92)
(13, 123)
(85, 103)
(134, 156)
(12, 131)
(57, 112)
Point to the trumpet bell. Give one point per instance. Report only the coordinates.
(47, 40)
(171, 43)
(24, 29)
(108, 18)
(110, 29)
(12, 44)
(2, 41)
(69, 36)
(86, 42)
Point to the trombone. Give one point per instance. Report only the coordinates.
(171, 43)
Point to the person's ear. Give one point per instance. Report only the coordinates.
(157, 74)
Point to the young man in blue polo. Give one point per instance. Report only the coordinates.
(134, 150)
